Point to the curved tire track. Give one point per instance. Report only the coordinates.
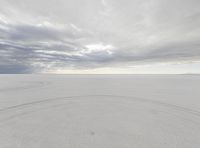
(75, 98)
(32, 85)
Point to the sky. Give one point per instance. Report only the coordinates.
(99, 36)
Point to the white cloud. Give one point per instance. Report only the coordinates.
(99, 47)
(93, 34)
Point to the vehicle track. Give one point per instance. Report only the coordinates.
(23, 107)
(29, 85)
(41, 117)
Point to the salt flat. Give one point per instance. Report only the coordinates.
(99, 111)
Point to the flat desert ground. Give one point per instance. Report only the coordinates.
(99, 111)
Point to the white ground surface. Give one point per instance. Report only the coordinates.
(99, 111)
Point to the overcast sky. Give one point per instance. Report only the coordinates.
(99, 36)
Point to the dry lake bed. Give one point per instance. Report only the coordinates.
(99, 111)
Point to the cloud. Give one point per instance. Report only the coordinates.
(42, 36)
(15, 69)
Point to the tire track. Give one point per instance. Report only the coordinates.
(28, 109)
(130, 98)
(33, 85)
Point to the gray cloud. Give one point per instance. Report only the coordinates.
(38, 36)
(14, 69)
